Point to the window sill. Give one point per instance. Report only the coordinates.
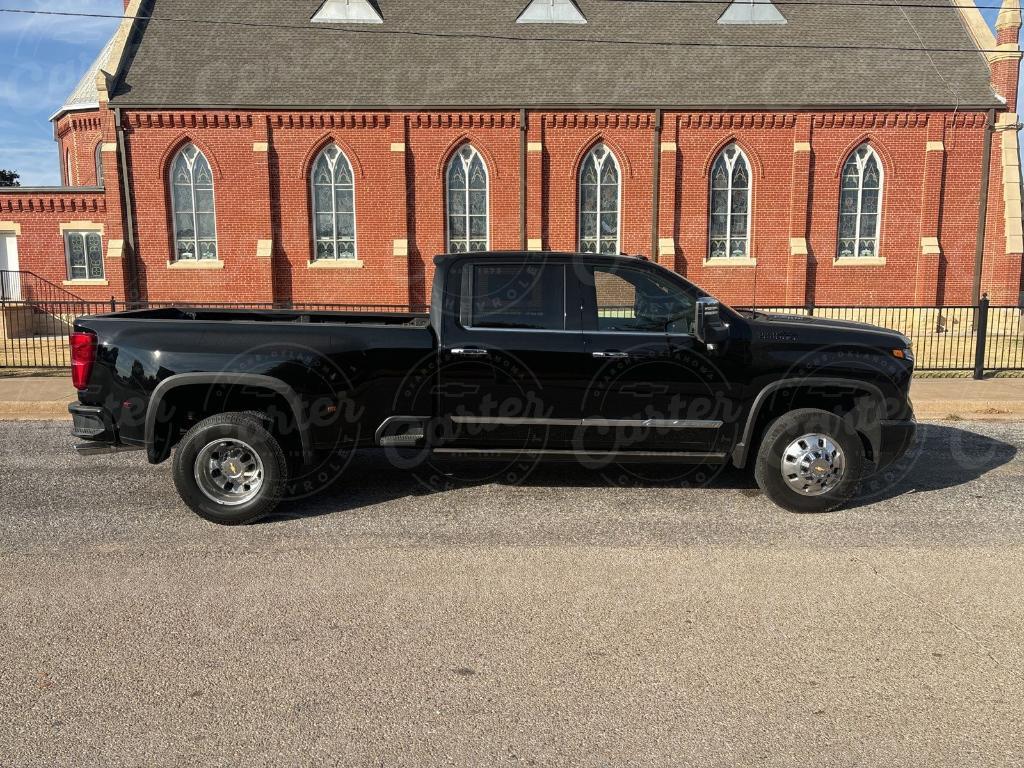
(335, 264)
(196, 264)
(86, 282)
(730, 261)
(859, 261)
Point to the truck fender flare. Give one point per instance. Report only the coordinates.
(232, 379)
(740, 453)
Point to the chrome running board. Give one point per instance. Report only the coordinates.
(678, 457)
(98, 449)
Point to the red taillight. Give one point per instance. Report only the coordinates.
(83, 355)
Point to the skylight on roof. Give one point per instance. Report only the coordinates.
(551, 12)
(348, 12)
(752, 12)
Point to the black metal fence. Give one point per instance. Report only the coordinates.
(984, 339)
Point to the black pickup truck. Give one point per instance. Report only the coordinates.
(602, 360)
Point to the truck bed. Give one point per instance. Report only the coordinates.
(214, 314)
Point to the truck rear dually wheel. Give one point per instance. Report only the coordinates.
(230, 469)
(810, 461)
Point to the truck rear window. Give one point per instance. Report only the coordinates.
(524, 296)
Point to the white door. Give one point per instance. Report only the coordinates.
(10, 281)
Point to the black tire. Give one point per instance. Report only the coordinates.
(787, 429)
(249, 429)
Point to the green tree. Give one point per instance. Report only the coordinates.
(9, 178)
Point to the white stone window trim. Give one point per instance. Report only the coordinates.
(466, 164)
(876, 258)
(618, 201)
(341, 156)
(195, 214)
(730, 165)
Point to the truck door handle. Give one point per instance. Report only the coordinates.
(610, 354)
(470, 352)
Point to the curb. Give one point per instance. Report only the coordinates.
(969, 411)
(35, 411)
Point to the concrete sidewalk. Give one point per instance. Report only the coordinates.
(29, 398)
(995, 399)
(36, 397)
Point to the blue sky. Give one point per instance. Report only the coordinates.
(41, 60)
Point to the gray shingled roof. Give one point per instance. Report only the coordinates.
(85, 95)
(300, 64)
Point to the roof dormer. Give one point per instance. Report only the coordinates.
(551, 12)
(348, 12)
(751, 12)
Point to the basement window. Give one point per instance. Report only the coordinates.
(752, 12)
(551, 12)
(348, 12)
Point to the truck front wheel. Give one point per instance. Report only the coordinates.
(230, 469)
(810, 461)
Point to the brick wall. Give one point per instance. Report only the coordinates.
(297, 140)
(261, 162)
(39, 216)
(78, 135)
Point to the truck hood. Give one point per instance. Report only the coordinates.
(780, 326)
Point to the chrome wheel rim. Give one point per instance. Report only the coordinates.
(813, 464)
(229, 472)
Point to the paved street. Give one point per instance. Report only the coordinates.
(577, 619)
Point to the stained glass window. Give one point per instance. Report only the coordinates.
(860, 204)
(334, 205)
(599, 202)
(466, 189)
(85, 255)
(195, 218)
(729, 235)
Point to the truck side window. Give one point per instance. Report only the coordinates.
(521, 296)
(629, 300)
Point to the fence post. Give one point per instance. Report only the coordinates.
(982, 338)
(810, 308)
(3, 287)
(113, 304)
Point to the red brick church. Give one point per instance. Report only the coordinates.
(324, 152)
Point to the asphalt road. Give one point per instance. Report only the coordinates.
(575, 619)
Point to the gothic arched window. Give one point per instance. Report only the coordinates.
(195, 217)
(860, 204)
(729, 235)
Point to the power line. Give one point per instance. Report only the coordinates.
(924, 47)
(520, 39)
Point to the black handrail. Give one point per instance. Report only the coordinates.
(34, 287)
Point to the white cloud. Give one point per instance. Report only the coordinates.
(28, 86)
(29, 29)
(35, 159)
